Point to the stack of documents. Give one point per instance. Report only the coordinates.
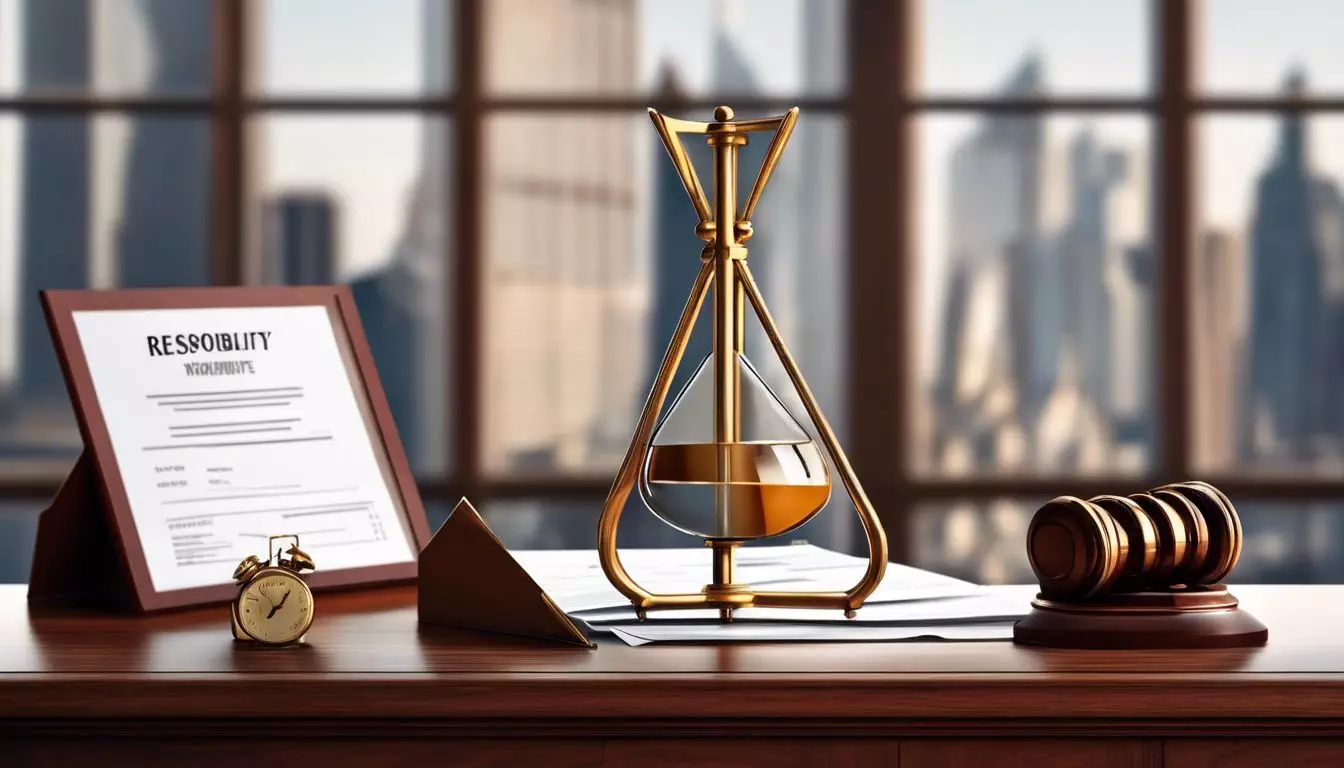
(909, 604)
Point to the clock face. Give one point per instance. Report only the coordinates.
(276, 607)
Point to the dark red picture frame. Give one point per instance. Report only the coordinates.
(88, 548)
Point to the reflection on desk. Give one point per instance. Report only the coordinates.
(74, 685)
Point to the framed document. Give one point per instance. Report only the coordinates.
(213, 418)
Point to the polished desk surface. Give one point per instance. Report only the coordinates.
(367, 654)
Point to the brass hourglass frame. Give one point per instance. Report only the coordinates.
(724, 269)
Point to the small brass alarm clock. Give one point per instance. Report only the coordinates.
(274, 606)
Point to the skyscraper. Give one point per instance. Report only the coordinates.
(54, 223)
(400, 307)
(1217, 284)
(795, 254)
(816, 180)
(996, 353)
(138, 218)
(1095, 173)
(403, 306)
(1040, 303)
(561, 283)
(675, 244)
(1133, 365)
(774, 247)
(163, 230)
(676, 252)
(299, 238)
(1295, 222)
(820, 331)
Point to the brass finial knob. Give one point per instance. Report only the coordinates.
(723, 114)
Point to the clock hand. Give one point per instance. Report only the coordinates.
(278, 606)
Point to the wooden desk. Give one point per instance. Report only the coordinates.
(375, 688)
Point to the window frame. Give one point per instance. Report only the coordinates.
(881, 107)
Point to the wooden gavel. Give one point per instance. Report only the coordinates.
(1178, 536)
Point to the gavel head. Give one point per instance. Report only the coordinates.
(1179, 535)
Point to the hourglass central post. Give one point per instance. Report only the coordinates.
(729, 334)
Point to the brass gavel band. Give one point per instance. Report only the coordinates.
(1223, 530)
(1183, 534)
(1196, 534)
(1142, 540)
(1172, 546)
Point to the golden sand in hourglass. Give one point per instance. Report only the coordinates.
(768, 482)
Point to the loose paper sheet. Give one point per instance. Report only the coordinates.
(575, 581)
(986, 604)
(805, 633)
(910, 604)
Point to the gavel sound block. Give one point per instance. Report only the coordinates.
(1138, 571)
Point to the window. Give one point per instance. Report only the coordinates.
(1020, 248)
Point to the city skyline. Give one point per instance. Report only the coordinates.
(1292, 366)
(378, 203)
(366, 193)
(1038, 364)
(134, 213)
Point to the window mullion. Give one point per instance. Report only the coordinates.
(466, 345)
(881, 220)
(227, 147)
(1173, 210)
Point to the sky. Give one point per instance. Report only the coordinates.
(374, 47)
(1088, 47)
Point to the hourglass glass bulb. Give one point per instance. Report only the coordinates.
(770, 480)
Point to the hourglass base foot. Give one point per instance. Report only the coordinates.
(1199, 617)
(727, 598)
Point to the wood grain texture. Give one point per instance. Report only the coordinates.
(258, 748)
(1063, 753)
(1246, 753)
(370, 670)
(147, 750)
(865, 753)
(734, 753)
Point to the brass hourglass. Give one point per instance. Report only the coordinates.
(728, 461)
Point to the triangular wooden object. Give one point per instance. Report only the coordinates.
(470, 581)
(75, 559)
